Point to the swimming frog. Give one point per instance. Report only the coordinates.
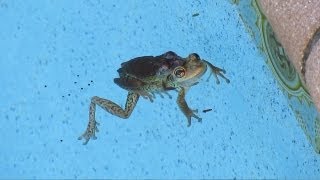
(149, 75)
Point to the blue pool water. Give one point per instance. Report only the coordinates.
(56, 55)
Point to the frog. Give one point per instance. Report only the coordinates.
(147, 76)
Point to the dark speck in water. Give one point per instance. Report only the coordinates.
(206, 110)
(195, 14)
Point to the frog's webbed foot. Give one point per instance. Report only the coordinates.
(90, 132)
(217, 72)
(189, 113)
(192, 113)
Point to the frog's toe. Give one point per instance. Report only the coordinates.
(165, 92)
(189, 122)
(222, 76)
(161, 95)
(86, 140)
(96, 128)
(197, 117)
(157, 92)
(192, 114)
(90, 133)
(87, 136)
(94, 137)
(217, 72)
(147, 95)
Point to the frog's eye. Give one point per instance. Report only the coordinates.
(179, 72)
(194, 56)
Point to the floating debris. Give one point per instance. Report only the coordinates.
(195, 14)
(206, 110)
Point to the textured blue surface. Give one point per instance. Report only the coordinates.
(52, 50)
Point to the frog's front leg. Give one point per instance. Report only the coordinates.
(185, 108)
(217, 72)
(110, 107)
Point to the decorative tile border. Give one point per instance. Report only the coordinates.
(298, 97)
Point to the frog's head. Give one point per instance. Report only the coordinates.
(189, 73)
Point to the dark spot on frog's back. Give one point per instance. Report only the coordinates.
(142, 67)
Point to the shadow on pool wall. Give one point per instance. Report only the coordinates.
(284, 71)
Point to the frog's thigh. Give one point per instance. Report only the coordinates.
(114, 108)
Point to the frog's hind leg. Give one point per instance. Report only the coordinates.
(110, 107)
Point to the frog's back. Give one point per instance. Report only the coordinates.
(141, 67)
(147, 67)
